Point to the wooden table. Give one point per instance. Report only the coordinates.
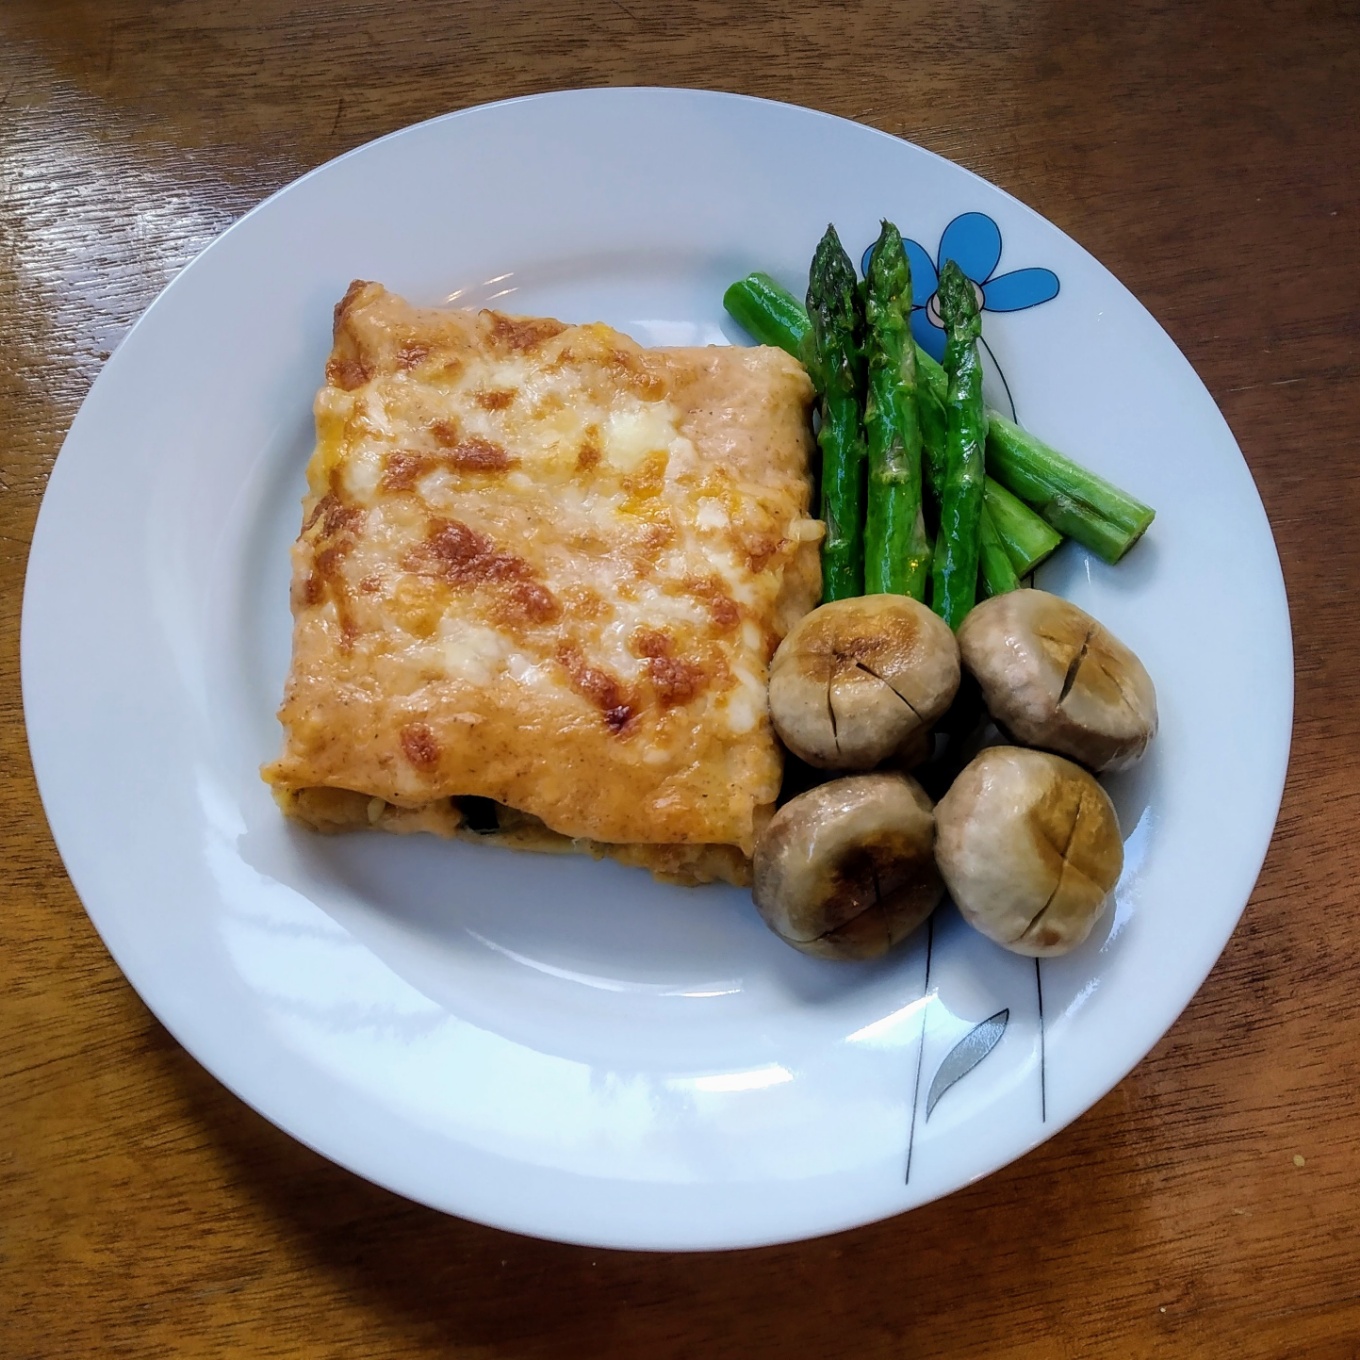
(1208, 154)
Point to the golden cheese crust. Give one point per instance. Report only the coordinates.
(542, 565)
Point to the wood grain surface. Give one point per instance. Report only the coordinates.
(1208, 154)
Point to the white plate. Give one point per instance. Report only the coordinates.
(556, 1046)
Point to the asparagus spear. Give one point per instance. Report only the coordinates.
(769, 312)
(896, 549)
(995, 569)
(835, 361)
(932, 389)
(773, 316)
(1074, 501)
(954, 578)
(1026, 538)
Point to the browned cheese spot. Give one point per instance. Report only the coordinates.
(348, 366)
(638, 374)
(327, 580)
(675, 680)
(531, 602)
(330, 530)
(760, 548)
(339, 518)
(342, 308)
(327, 562)
(446, 433)
(722, 607)
(588, 455)
(412, 353)
(419, 746)
(652, 642)
(461, 556)
(479, 455)
(657, 535)
(402, 468)
(605, 691)
(347, 373)
(520, 334)
(494, 398)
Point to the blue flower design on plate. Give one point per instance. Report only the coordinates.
(973, 240)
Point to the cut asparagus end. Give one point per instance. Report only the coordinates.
(1026, 537)
(996, 574)
(1076, 502)
(769, 313)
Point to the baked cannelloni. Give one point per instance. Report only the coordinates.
(540, 578)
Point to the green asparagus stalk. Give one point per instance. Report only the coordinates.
(834, 358)
(932, 389)
(1074, 501)
(896, 549)
(954, 578)
(933, 377)
(1026, 537)
(769, 312)
(996, 573)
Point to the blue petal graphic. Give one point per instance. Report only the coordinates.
(865, 260)
(929, 337)
(973, 241)
(1020, 289)
(923, 276)
(966, 1054)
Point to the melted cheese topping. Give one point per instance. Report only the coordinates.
(545, 566)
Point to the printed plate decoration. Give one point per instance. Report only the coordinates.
(966, 1054)
(973, 241)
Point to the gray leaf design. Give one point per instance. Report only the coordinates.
(966, 1054)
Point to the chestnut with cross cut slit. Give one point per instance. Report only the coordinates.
(857, 681)
(847, 869)
(1056, 678)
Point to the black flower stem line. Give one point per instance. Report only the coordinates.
(996, 368)
(1043, 1076)
(921, 1050)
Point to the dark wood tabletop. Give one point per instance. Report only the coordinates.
(1207, 153)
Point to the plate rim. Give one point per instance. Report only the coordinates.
(450, 118)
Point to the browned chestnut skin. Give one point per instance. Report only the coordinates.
(1029, 846)
(858, 681)
(847, 869)
(1056, 678)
